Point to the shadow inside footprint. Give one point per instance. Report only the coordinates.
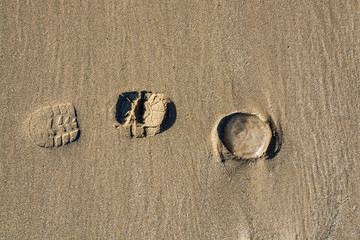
(170, 117)
(124, 106)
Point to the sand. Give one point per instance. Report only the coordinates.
(296, 62)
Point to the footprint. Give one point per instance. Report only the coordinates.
(143, 113)
(244, 136)
(54, 126)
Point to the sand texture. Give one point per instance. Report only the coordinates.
(294, 62)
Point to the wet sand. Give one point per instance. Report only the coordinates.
(295, 62)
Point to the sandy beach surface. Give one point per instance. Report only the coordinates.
(295, 62)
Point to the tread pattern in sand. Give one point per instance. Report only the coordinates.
(54, 126)
(141, 113)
